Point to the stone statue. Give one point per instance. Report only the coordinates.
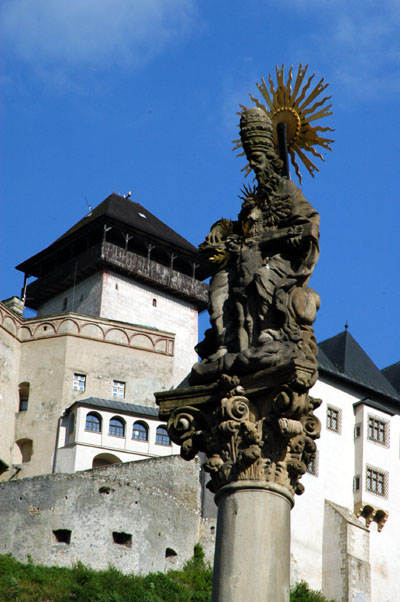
(248, 407)
(261, 308)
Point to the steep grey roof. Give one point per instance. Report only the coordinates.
(117, 210)
(324, 361)
(392, 373)
(346, 358)
(117, 406)
(134, 215)
(372, 403)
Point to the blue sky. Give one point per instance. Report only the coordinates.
(116, 95)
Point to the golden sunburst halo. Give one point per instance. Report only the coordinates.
(292, 106)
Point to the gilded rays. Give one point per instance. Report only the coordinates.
(298, 107)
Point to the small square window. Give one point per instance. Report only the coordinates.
(377, 430)
(79, 382)
(118, 389)
(377, 481)
(333, 419)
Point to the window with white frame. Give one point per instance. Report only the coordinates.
(376, 481)
(333, 419)
(79, 382)
(378, 430)
(118, 389)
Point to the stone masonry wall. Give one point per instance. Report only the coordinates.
(138, 516)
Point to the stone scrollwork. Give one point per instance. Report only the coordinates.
(268, 437)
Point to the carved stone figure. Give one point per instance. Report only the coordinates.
(261, 309)
(248, 407)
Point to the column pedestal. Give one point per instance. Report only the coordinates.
(252, 548)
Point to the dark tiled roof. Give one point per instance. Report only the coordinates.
(130, 216)
(372, 403)
(392, 373)
(346, 358)
(117, 406)
(134, 215)
(324, 361)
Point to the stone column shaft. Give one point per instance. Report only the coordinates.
(252, 549)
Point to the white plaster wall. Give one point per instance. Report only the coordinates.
(128, 301)
(385, 548)
(334, 482)
(89, 444)
(84, 298)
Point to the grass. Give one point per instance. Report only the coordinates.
(34, 583)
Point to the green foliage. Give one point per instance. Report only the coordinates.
(34, 583)
(302, 593)
(196, 575)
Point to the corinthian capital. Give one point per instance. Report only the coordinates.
(253, 429)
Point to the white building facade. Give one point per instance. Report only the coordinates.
(346, 524)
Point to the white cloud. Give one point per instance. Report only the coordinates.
(359, 37)
(96, 34)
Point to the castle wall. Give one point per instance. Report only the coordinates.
(83, 298)
(46, 352)
(153, 309)
(9, 379)
(153, 507)
(117, 297)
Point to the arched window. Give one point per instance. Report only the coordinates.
(140, 431)
(23, 389)
(93, 423)
(71, 424)
(162, 437)
(25, 447)
(117, 427)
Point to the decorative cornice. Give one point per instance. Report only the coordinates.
(86, 327)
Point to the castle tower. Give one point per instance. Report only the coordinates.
(117, 299)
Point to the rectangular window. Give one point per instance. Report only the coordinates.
(357, 431)
(376, 481)
(79, 382)
(356, 483)
(333, 419)
(377, 430)
(118, 389)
